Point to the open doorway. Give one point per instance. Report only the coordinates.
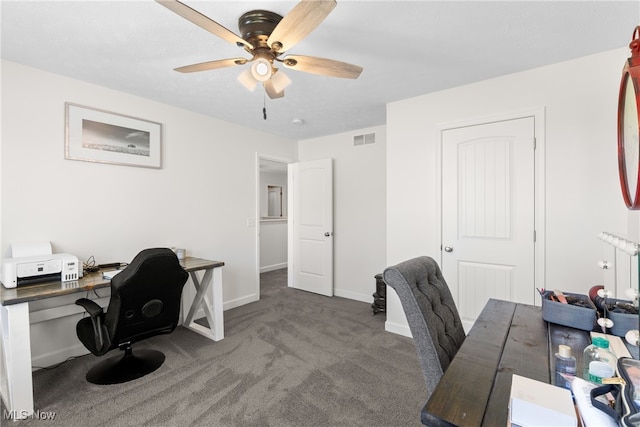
(272, 223)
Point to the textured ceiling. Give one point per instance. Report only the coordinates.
(407, 48)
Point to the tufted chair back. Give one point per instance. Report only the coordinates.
(431, 313)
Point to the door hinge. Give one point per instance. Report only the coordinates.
(534, 143)
(534, 236)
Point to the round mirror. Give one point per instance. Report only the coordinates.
(629, 128)
(629, 142)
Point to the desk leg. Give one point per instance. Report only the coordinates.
(15, 359)
(212, 309)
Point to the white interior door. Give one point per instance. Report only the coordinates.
(488, 224)
(311, 226)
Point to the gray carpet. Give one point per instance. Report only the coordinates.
(291, 359)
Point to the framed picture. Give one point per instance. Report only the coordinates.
(99, 136)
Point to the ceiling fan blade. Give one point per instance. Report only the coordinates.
(322, 66)
(212, 65)
(271, 90)
(203, 21)
(298, 23)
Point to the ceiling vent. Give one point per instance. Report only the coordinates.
(367, 138)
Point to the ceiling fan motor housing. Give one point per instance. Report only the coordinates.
(257, 25)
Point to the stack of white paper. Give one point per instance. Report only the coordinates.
(534, 403)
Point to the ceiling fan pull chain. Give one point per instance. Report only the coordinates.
(264, 106)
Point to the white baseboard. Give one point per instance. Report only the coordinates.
(396, 328)
(467, 325)
(239, 301)
(55, 357)
(273, 267)
(353, 295)
(226, 306)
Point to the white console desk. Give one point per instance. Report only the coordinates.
(15, 343)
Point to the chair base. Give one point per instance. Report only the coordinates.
(126, 367)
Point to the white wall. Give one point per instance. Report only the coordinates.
(359, 208)
(582, 198)
(202, 199)
(273, 244)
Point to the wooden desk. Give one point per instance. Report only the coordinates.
(506, 339)
(15, 343)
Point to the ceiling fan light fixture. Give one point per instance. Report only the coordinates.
(271, 91)
(247, 80)
(280, 81)
(261, 70)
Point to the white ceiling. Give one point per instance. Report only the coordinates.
(407, 48)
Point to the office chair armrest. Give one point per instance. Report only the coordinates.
(95, 311)
(90, 307)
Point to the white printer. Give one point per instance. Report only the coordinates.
(44, 267)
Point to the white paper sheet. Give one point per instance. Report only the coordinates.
(591, 416)
(616, 345)
(26, 249)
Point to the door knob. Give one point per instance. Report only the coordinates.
(327, 234)
(448, 249)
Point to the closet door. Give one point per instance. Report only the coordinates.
(488, 228)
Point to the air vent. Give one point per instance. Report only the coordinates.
(367, 138)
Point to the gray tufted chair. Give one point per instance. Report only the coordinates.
(431, 313)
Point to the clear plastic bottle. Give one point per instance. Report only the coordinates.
(599, 362)
(565, 364)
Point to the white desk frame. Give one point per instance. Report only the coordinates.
(211, 303)
(15, 359)
(16, 378)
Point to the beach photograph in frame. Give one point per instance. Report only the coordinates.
(99, 136)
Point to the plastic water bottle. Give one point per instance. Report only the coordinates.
(599, 362)
(565, 364)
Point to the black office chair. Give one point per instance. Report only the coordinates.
(145, 301)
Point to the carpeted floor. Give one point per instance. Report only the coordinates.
(291, 359)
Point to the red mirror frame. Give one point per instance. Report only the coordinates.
(630, 74)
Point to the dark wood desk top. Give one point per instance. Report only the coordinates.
(506, 338)
(88, 282)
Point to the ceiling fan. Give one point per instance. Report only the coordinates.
(266, 36)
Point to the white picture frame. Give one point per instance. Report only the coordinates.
(94, 135)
